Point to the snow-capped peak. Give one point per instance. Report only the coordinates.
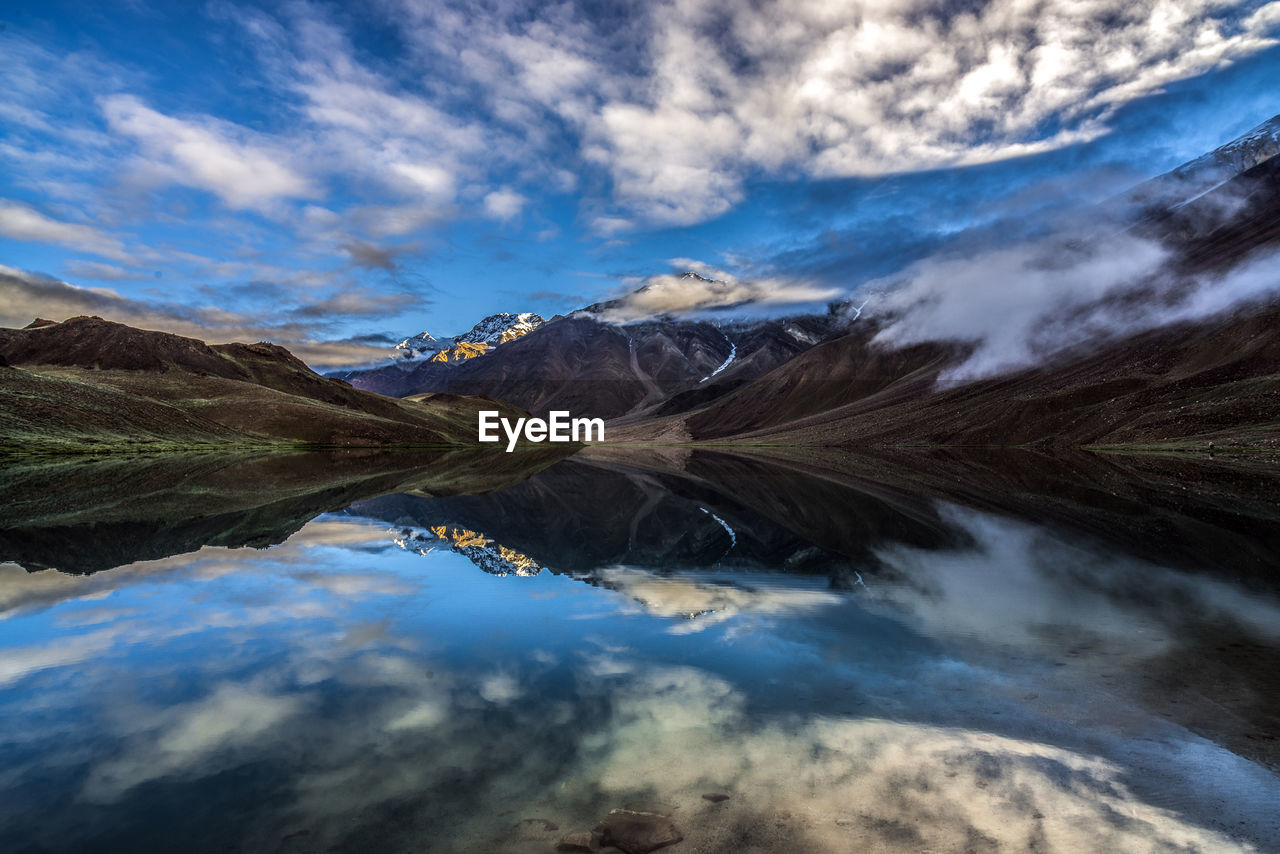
(494, 330)
(423, 343)
(1207, 172)
(1242, 153)
(491, 557)
(502, 327)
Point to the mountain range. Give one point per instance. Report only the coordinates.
(1205, 379)
(826, 379)
(489, 333)
(589, 365)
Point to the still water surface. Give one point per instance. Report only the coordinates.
(858, 667)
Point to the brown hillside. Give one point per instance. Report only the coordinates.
(91, 384)
(1216, 380)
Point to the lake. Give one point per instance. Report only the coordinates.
(458, 653)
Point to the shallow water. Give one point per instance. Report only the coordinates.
(858, 666)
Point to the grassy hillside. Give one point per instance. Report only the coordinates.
(91, 385)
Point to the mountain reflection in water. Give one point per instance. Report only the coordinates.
(979, 653)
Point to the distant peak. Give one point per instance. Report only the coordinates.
(490, 332)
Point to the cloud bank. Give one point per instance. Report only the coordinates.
(1022, 304)
(24, 296)
(726, 90)
(677, 103)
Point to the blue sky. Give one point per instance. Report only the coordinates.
(330, 176)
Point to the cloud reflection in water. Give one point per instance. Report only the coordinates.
(337, 691)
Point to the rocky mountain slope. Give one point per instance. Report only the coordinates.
(1191, 180)
(595, 368)
(488, 334)
(91, 384)
(1197, 384)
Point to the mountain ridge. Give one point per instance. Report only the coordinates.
(487, 335)
(88, 384)
(595, 368)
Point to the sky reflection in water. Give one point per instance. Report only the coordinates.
(339, 690)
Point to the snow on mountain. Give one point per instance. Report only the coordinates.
(1197, 177)
(802, 335)
(494, 330)
(500, 328)
(422, 345)
(489, 556)
(1239, 155)
(733, 354)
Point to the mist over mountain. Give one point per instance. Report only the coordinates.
(1200, 243)
(1158, 334)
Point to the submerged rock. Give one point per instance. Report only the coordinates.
(580, 840)
(638, 832)
(664, 808)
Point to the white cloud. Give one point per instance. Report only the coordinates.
(1021, 304)
(20, 222)
(500, 689)
(711, 289)
(427, 714)
(1002, 298)
(504, 204)
(838, 90)
(216, 156)
(193, 737)
(684, 100)
(433, 181)
(712, 598)
(19, 662)
(678, 104)
(103, 272)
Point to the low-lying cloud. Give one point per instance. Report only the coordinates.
(1022, 304)
(705, 289)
